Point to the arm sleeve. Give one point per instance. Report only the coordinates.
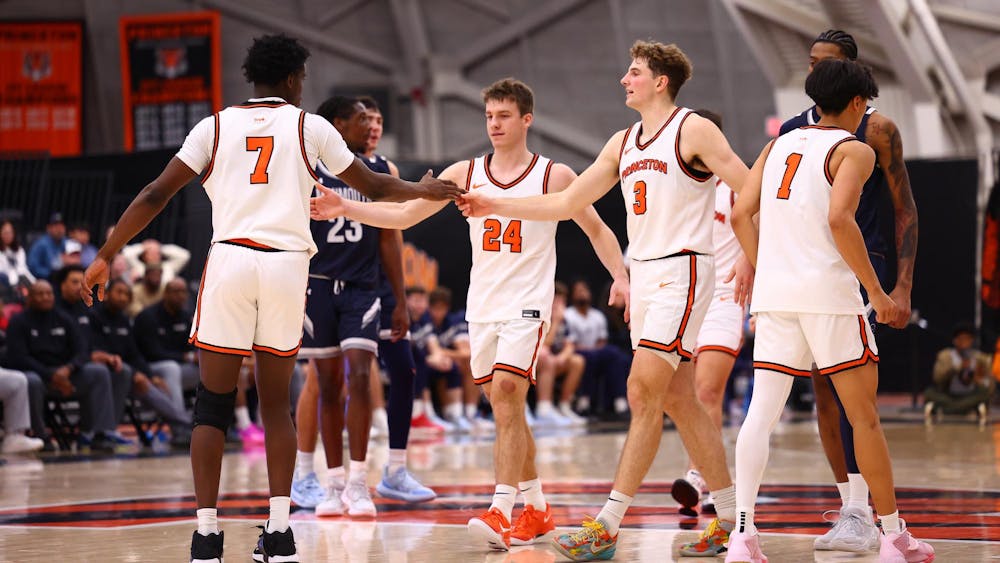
(175, 257)
(22, 266)
(134, 356)
(81, 349)
(196, 152)
(37, 261)
(324, 141)
(18, 354)
(131, 254)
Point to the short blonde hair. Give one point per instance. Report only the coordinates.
(666, 60)
(511, 89)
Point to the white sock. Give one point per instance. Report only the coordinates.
(859, 491)
(532, 491)
(380, 418)
(397, 459)
(725, 503)
(277, 521)
(336, 477)
(890, 523)
(565, 406)
(845, 493)
(304, 463)
(453, 411)
(242, 417)
(543, 408)
(359, 472)
(614, 510)
(583, 403)
(208, 522)
(471, 411)
(503, 499)
(621, 405)
(744, 521)
(418, 408)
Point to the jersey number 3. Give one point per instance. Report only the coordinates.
(791, 167)
(511, 235)
(639, 207)
(264, 147)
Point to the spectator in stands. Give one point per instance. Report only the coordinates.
(589, 330)
(16, 413)
(46, 254)
(161, 331)
(72, 253)
(557, 358)
(49, 347)
(148, 290)
(434, 365)
(111, 331)
(963, 382)
(14, 270)
(170, 257)
(80, 232)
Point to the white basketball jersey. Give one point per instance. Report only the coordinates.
(669, 204)
(513, 261)
(261, 171)
(799, 268)
(727, 247)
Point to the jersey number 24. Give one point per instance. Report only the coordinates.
(492, 238)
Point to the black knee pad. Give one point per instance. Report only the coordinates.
(214, 409)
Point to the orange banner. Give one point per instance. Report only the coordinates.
(171, 76)
(41, 87)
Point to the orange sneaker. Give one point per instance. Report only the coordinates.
(493, 527)
(532, 525)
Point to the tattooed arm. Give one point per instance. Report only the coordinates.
(883, 136)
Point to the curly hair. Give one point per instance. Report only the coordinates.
(273, 58)
(833, 83)
(841, 39)
(666, 60)
(511, 89)
(338, 107)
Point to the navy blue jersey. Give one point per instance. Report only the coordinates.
(867, 215)
(452, 329)
(348, 250)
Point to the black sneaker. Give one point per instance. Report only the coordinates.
(275, 547)
(206, 549)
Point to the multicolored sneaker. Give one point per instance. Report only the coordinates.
(744, 548)
(712, 541)
(493, 527)
(590, 543)
(904, 548)
(532, 525)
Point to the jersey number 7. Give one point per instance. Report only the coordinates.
(264, 147)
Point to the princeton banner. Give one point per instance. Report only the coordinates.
(41, 87)
(171, 73)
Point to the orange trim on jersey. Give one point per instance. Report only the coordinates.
(674, 346)
(262, 105)
(221, 349)
(771, 366)
(302, 146)
(276, 352)
(825, 127)
(484, 379)
(512, 369)
(468, 175)
(215, 147)
(694, 174)
(866, 354)
(201, 291)
(829, 155)
(621, 151)
(501, 185)
(248, 243)
(716, 348)
(545, 180)
(638, 134)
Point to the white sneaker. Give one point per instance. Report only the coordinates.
(575, 419)
(854, 531)
(448, 427)
(332, 505)
(482, 424)
(357, 500)
(19, 443)
(461, 424)
(380, 425)
(529, 417)
(551, 418)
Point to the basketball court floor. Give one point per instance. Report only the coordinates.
(135, 508)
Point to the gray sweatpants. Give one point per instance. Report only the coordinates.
(93, 384)
(180, 377)
(14, 396)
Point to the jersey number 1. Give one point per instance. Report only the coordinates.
(511, 235)
(264, 147)
(791, 167)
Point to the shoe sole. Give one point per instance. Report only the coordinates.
(685, 493)
(369, 515)
(481, 530)
(324, 513)
(532, 541)
(609, 554)
(276, 558)
(386, 492)
(848, 548)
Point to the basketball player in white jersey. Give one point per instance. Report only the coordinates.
(665, 163)
(510, 294)
(810, 255)
(258, 160)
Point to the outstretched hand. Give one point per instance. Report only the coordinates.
(474, 204)
(327, 205)
(97, 274)
(436, 189)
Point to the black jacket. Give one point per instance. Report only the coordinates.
(43, 342)
(112, 332)
(162, 336)
(81, 314)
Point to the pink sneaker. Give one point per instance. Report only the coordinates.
(252, 435)
(744, 548)
(904, 548)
